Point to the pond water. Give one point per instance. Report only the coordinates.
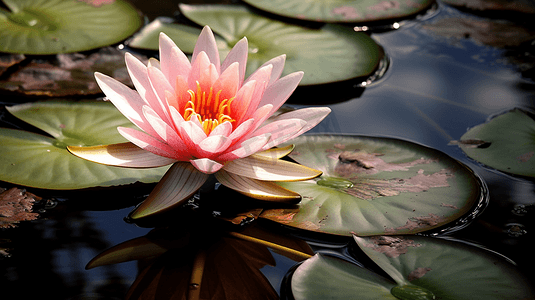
(435, 88)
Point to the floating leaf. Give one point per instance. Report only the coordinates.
(67, 74)
(333, 53)
(349, 11)
(184, 36)
(419, 266)
(62, 26)
(35, 160)
(523, 6)
(510, 139)
(15, 206)
(373, 185)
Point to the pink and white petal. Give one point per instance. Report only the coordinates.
(261, 76)
(159, 85)
(180, 182)
(278, 67)
(262, 168)
(206, 165)
(280, 130)
(277, 93)
(312, 115)
(181, 93)
(153, 62)
(207, 78)
(176, 117)
(262, 190)
(228, 82)
(126, 100)
(240, 105)
(198, 66)
(172, 60)
(237, 54)
(166, 132)
(121, 155)
(224, 129)
(246, 148)
(149, 143)
(213, 145)
(241, 130)
(206, 43)
(140, 77)
(192, 135)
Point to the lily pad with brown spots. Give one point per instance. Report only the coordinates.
(373, 185)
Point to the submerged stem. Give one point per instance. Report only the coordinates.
(194, 290)
(271, 245)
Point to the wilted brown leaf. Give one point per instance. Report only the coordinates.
(8, 60)
(15, 206)
(67, 74)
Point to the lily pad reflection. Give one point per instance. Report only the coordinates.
(373, 185)
(40, 161)
(418, 267)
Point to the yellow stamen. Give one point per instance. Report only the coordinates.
(207, 108)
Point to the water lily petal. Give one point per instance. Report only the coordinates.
(206, 165)
(240, 105)
(206, 43)
(262, 190)
(277, 93)
(237, 54)
(173, 61)
(154, 63)
(245, 148)
(213, 145)
(180, 182)
(241, 130)
(166, 132)
(149, 143)
(121, 155)
(278, 66)
(224, 129)
(139, 74)
(312, 116)
(275, 153)
(262, 77)
(198, 66)
(281, 131)
(160, 85)
(262, 168)
(228, 82)
(126, 100)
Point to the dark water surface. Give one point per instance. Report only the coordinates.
(435, 88)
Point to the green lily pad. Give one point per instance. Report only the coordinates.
(62, 26)
(40, 161)
(373, 185)
(184, 36)
(349, 11)
(505, 143)
(333, 52)
(419, 267)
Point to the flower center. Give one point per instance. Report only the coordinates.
(209, 109)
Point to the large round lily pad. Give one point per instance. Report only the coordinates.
(373, 185)
(40, 161)
(342, 10)
(421, 266)
(329, 54)
(505, 143)
(61, 26)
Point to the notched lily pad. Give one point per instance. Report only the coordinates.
(40, 161)
(511, 138)
(67, 74)
(351, 11)
(333, 52)
(418, 267)
(63, 26)
(373, 185)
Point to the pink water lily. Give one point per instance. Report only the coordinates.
(204, 117)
